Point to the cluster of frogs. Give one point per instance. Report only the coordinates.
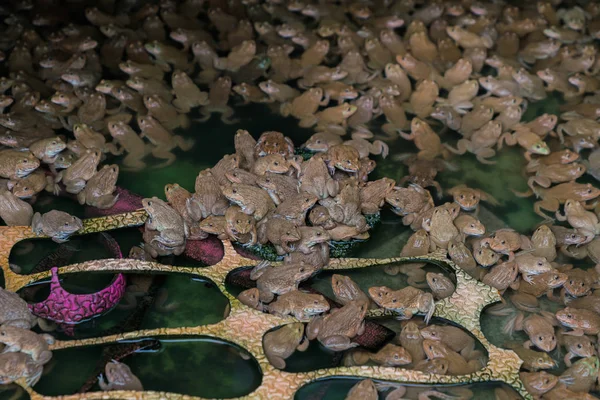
(264, 193)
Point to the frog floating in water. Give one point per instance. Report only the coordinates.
(283, 342)
(119, 377)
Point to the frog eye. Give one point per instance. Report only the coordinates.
(569, 316)
(276, 163)
(234, 191)
(394, 300)
(540, 263)
(571, 282)
(579, 346)
(66, 224)
(302, 269)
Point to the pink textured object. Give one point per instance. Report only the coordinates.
(209, 251)
(127, 202)
(68, 308)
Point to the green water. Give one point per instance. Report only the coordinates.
(212, 369)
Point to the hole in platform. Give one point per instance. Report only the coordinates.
(150, 301)
(196, 366)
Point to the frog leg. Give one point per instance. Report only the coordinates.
(303, 346)
(164, 153)
(106, 201)
(308, 121)
(133, 162)
(338, 343)
(161, 301)
(567, 359)
(313, 327)
(575, 332)
(276, 361)
(548, 204)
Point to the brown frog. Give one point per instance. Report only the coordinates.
(295, 208)
(14, 366)
(167, 222)
(240, 226)
(390, 355)
(346, 290)
(455, 338)
(373, 194)
(187, 94)
(279, 280)
(576, 346)
(539, 328)
(98, 192)
(252, 200)
(336, 329)
(406, 301)
(14, 211)
(218, 97)
(480, 143)
(27, 342)
(119, 377)
(129, 142)
(304, 107)
(15, 311)
(581, 321)
(280, 187)
(363, 390)
(538, 383)
(426, 140)
(56, 224)
(303, 306)
(163, 140)
(441, 227)
(280, 232)
(283, 342)
(17, 164)
(316, 179)
(585, 222)
(553, 197)
(178, 198)
(208, 198)
(164, 112)
(441, 286)
(457, 365)
(273, 142)
(29, 186)
(469, 198)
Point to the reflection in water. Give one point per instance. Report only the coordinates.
(198, 367)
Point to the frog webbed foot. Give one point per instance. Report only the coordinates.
(277, 362)
(106, 201)
(133, 162)
(184, 144)
(338, 343)
(75, 186)
(43, 357)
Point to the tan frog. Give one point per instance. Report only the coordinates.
(240, 226)
(457, 365)
(98, 192)
(252, 200)
(584, 222)
(214, 225)
(303, 306)
(441, 286)
(164, 112)
(346, 290)
(553, 197)
(538, 383)
(239, 56)
(441, 227)
(469, 198)
(280, 187)
(165, 55)
(390, 355)
(29, 186)
(576, 346)
(163, 140)
(119, 377)
(46, 150)
(363, 390)
(315, 179)
(279, 280)
(129, 142)
(480, 143)
(581, 321)
(14, 366)
(280, 232)
(17, 164)
(455, 338)
(15, 311)
(28, 342)
(167, 222)
(218, 97)
(305, 106)
(539, 328)
(208, 198)
(406, 301)
(56, 224)
(336, 329)
(275, 163)
(14, 211)
(426, 140)
(281, 343)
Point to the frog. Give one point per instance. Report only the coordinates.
(310, 239)
(532, 360)
(207, 198)
(423, 98)
(461, 255)
(280, 232)
(214, 225)
(15, 311)
(557, 81)
(544, 243)
(476, 119)
(178, 198)
(55, 224)
(91, 139)
(409, 202)
(457, 365)
(151, 86)
(321, 74)
(390, 355)
(303, 306)
(546, 175)
(218, 97)
(305, 106)
(322, 141)
(130, 142)
(27, 342)
(315, 179)
(538, 383)
(14, 366)
(119, 377)
(164, 112)
(345, 207)
(539, 50)
(17, 164)
(480, 143)
(426, 140)
(283, 342)
(99, 190)
(239, 226)
(363, 390)
(582, 375)
(576, 346)
(167, 222)
(577, 127)
(14, 211)
(336, 329)
(273, 142)
(31, 185)
(581, 321)
(406, 301)
(279, 280)
(539, 328)
(395, 117)
(435, 366)
(46, 150)
(440, 285)
(560, 391)
(500, 276)
(584, 222)
(252, 200)
(166, 55)
(506, 241)
(163, 140)
(295, 208)
(250, 298)
(553, 197)
(528, 140)
(469, 198)
(338, 91)
(346, 290)
(239, 56)
(275, 163)
(278, 92)
(441, 227)
(455, 338)
(279, 187)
